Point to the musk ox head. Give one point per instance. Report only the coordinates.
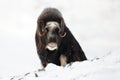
(51, 27)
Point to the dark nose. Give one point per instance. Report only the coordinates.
(52, 39)
(52, 34)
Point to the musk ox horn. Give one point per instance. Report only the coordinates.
(62, 32)
(63, 35)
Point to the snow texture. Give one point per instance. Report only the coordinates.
(105, 68)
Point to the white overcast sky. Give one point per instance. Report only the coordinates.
(94, 23)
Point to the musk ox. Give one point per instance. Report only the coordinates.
(54, 41)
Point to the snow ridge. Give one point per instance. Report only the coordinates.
(104, 68)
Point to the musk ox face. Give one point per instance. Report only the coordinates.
(53, 38)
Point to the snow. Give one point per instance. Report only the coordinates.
(94, 23)
(105, 68)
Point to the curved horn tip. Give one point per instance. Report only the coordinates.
(63, 35)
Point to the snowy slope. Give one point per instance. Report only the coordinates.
(105, 68)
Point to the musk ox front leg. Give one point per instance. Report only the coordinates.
(63, 60)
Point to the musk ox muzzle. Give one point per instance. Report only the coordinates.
(52, 29)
